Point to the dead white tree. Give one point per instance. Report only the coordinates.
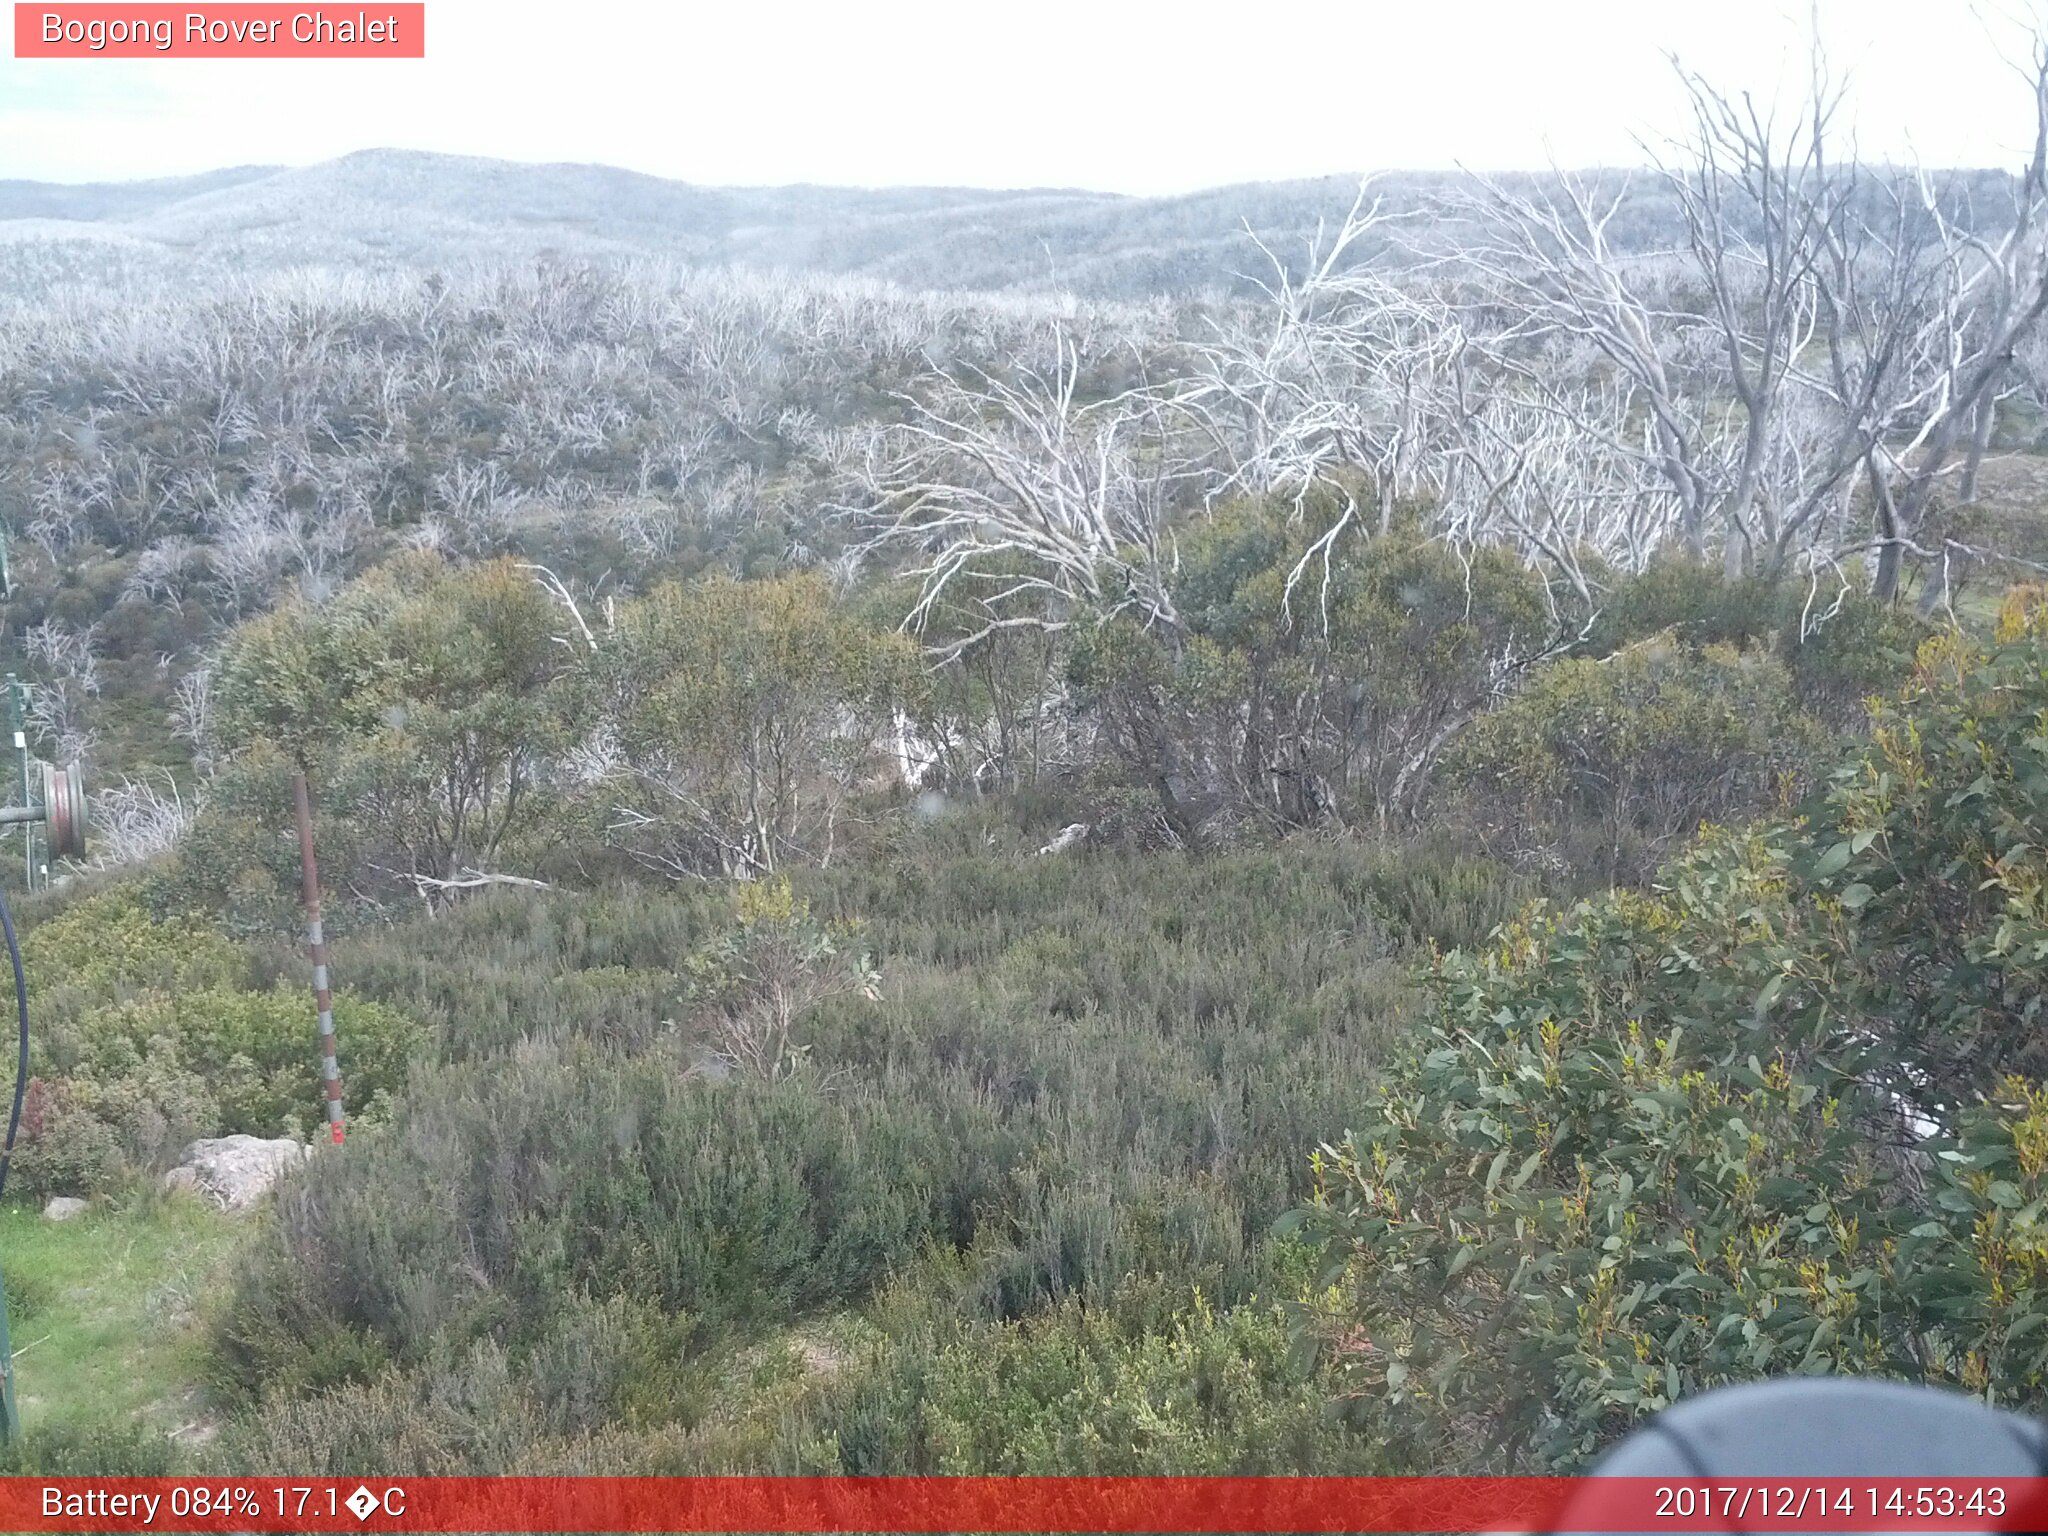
(1334, 381)
(1017, 500)
(1544, 280)
(137, 820)
(1515, 473)
(1757, 202)
(1825, 326)
(164, 571)
(1990, 296)
(1331, 373)
(194, 716)
(64, 680)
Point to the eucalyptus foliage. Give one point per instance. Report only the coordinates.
(1778, 1114)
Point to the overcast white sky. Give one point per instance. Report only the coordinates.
(1120, 95)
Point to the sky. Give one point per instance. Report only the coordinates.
(1113, 95)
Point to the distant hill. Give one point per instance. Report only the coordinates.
(393, 208)
(399, 208)
(114, 200)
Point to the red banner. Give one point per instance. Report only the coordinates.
(223, 31)
(1016, 1504)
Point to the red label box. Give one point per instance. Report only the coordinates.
(1209, 1506)
(226, 31)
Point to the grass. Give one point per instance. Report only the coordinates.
(105, 1311)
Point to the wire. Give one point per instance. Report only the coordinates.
(21, 1062)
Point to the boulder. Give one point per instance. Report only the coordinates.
(63, 1208)
(234, 1172)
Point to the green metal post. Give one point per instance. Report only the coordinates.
(17, 710)
(16, 722)
(10, 1416)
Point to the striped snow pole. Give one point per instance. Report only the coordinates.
(316, 942)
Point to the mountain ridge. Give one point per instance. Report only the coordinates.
(382, 209)
(411, 208)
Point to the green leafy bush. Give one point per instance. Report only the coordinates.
(236, 861)
(257, 1053)
(151, 1037)
(129, 1116)
(1848, 649)
(752, 986)
(422, 701)
(1306, 683)
(1840, 645)
(1762, 1119)
(562, 1172)
(1177, 1388)
(1695, 604)
(114, 947)
(1632, 752)
(747, 713)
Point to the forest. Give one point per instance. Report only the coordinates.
(1383, 866)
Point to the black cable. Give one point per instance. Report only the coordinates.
(21, 1062)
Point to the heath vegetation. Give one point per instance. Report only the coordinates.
(1378, 869)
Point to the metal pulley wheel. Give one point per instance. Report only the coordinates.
(64, 810)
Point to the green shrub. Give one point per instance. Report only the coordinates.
(474, 1415)
(619, 1362)
(1761, 1120)
(88, 1134)
(1082, 1091)
(113, 947)
(752, 986)
(1845, 651)
(1082, 1073)
(1542, 1242)
(748, 713)
(235, 860)
(1632, 752)
(1080, 1392)
(1305, 684)
(1840, 645)
(427, 693)
(149, 1038)
(157, 1072)
(260, 1053)
(1696, 604)
(1435, 890)
(92, 1448)
(571, 1400)
(512, 966)
(565, 1172)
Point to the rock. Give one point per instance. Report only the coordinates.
(1068, 837)
(234, 1172)
(63, 1208)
